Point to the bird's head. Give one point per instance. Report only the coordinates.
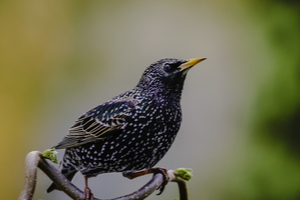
(166, 75)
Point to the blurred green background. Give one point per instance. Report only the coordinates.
(241, 107)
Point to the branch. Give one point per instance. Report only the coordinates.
(31, 162)
(35, 160)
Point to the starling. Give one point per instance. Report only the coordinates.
(132, 131)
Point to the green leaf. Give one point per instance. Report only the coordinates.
(184, 173)
(51, 154)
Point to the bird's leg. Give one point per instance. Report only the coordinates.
(88, 195)
(132, 175)
(163, 171)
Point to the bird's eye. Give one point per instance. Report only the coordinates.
(167, 67)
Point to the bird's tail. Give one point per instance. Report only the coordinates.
(68, 171)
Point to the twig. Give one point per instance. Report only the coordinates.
(60, 180)
(31, 162)
(34, 160)
(182, 186)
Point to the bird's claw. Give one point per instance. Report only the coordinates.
(156, 170)
(166, 178)
(88, 195)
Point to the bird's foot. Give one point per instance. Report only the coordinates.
(166, 177)
(88, 195)
(156, 170)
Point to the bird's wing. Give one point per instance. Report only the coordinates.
(99, 123)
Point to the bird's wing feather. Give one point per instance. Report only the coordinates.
(99, 123)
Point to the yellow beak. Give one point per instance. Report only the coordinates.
(190, 63)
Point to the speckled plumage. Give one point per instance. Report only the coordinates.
(132, 131)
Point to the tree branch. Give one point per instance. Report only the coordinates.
(31, 162)
(34, 160)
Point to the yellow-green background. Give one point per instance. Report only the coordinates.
(241, 107)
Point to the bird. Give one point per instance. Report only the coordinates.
(131, 132)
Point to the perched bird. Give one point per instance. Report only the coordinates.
(130, 132)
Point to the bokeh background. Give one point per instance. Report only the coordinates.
(241, 106)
